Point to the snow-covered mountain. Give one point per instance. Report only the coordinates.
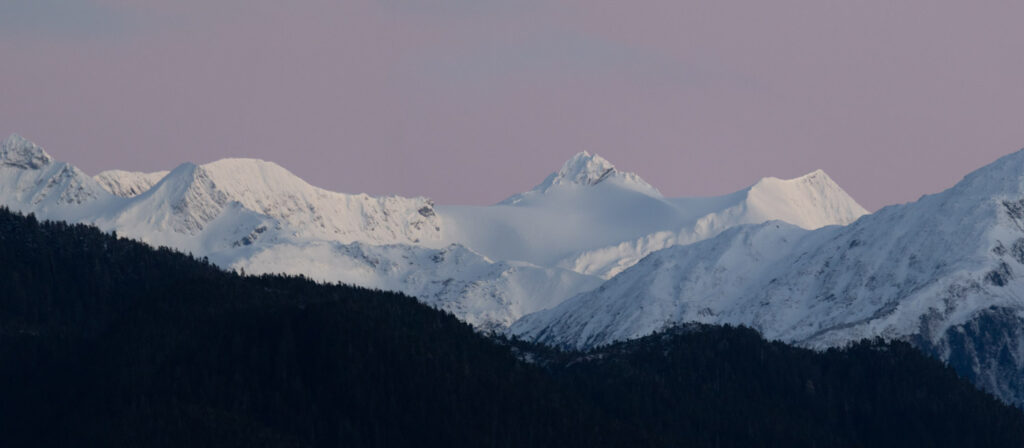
(811, 201)
(32, 182)
(255, 215)
(488, 265)
(945, 272)
(584, 170)
(191, 196)
(593, 255)
(593, 219)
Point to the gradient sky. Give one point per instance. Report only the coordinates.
(470, 101)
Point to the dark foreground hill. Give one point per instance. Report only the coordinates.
(107, 342)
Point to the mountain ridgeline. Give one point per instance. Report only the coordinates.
(110, 342)
(488, 265)
(943, 273)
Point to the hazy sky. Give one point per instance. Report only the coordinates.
(470, 101)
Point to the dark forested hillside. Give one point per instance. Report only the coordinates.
(107, 342)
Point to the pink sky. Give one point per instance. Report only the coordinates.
(470, 101)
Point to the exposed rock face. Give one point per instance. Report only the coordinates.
(988, 350)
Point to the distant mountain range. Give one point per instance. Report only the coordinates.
(487, 265)
(593, 255)
(944, 272)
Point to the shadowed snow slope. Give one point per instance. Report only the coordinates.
(927, 271)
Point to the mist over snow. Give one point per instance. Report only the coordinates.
(489, 265)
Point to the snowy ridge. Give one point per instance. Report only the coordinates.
(128, 184)
(255, 215)
(186, 199)
(810, 202)
(183, 202)
(31, 182)
(690, 283)
(497, 263)
(923, 272)
(592, 219)
(311, 212)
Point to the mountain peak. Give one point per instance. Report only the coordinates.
(818, 174)
(587, 170)
(817, 180)
(252, 178)
(584, 169)
(810, 201)
(242, 163)
(816, 177)
(21, 153)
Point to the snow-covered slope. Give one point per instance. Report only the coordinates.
(185, 199)
(485, 293)
(927, 272)
(187, 211)
(583, 223)
(811, 201)
(255, 215)
(593, 219)
(128, 184)
(32, 182)
(311, 212)
(681, 284)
